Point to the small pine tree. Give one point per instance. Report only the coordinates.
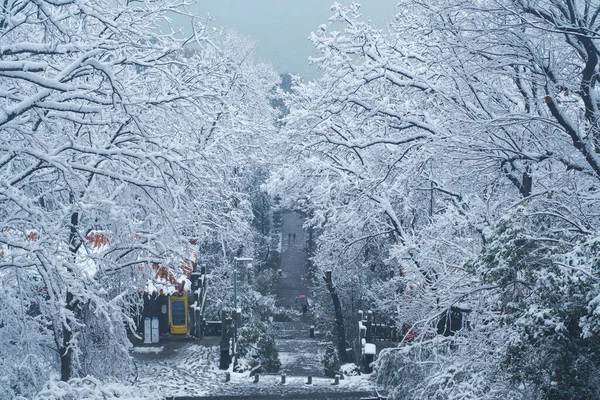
(268, 354)
(331, 362)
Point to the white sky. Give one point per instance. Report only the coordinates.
(281, 27)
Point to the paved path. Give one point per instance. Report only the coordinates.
(299, 354)
(294, 281)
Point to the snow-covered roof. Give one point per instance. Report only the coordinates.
(166, 282)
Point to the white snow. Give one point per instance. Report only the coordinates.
(147, 350)
(370, 348)
(192, 370)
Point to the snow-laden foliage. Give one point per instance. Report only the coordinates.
(88, 388)
(452, 160)
(117, 146)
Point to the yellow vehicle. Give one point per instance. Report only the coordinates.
(178, 307)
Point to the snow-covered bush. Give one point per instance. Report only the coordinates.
(256, 345)
(350, 369)
(331, 362)
(546, 278)
(257, 349)
(89, 388)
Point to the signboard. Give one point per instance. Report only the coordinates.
(154, 329)
(147, 331)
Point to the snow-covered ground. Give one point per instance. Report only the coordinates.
(152, 350)
(192, 370)
(299, 354)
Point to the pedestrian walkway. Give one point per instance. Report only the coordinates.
(299, 354)
(293, 283)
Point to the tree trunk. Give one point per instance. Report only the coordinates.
(340, 330)
(527, 184)
(65, 351)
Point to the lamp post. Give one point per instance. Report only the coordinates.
(236, 265)
(236, 313)
(235, 288)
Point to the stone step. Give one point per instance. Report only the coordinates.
(301, 357)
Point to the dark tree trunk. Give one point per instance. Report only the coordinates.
(340, 330)
(527, 184)
(65, 350)
(66, 353)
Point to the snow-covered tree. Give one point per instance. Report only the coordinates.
(462, 144)
(111, 130)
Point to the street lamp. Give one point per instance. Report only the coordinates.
(237, 313)
(237, 261)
